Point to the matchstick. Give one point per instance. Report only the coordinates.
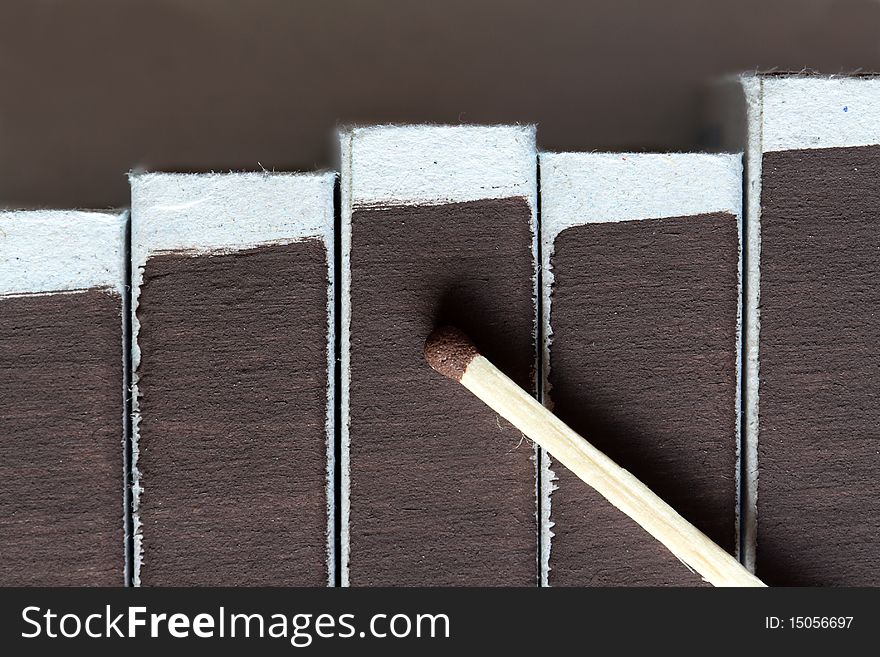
(451, 353)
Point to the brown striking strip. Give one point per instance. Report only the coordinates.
(643, 365)
(233, 383)
(819, 437)
(431, 501)
(61, 432)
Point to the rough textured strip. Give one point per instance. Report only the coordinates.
(819, 443)
(61, 440)
(643, 364)
(233, 394)
(442, 491)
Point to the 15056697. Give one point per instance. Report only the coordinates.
(808, 622)
(820, 622)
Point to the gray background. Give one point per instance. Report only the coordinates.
(91, 88)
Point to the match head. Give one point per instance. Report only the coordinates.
(449, 351)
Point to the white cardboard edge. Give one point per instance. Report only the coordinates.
(126, 408)
(584, 188)
(753, 111)
(70, 251)
(424, 165)
(806, 112)
(435, 164)
(345, 171)
(61, 251)
(221, 213)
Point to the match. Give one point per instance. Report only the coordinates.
(451, 353)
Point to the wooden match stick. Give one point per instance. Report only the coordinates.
(451, 353)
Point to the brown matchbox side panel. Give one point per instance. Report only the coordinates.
(643, 365)
(232, 437)
(442, 491)
(61, 433)
(819, 435)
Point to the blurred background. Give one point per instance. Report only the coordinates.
(92, 88)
